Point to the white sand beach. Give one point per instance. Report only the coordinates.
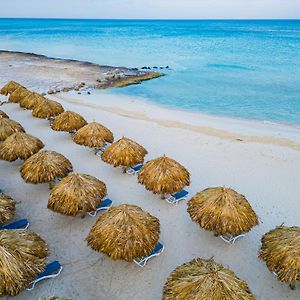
(261, 161)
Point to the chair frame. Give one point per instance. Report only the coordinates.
(141, 262)
(229, 239)
(34, 282)
(172, 200)
(94, 212)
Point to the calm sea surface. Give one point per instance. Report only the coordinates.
(247, 69)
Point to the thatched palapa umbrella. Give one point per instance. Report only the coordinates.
(22, 257)
(124, 153)
(20, 145)
(32, 100)
(68, 121)
(77, 194)
(164, 176)
(203, 279)
(223, 211)
(281, 251)
(8, 127)
(9, 88)
(47, 109)
(125, 232)
(45, 166)
(7, 208)
(17, 95)
(93, 135)
(3, 114)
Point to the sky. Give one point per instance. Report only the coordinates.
(152, 9)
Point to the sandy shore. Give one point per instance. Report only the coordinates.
(262, 161)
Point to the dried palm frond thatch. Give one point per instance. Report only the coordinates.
(10, 87)
(281, 251)
(45, 166)
(8, 127)
(47, 109)
(125, 232)
(22, 257)
(68, 121)
(203, 279)
(3, 114)
(93, 135)
(32, 100)
(124, 152)
(223, 211)
(17, 95)
(164, 176)
(7, 208)
(20, 145)
(77, 194)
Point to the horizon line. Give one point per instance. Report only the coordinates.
(149, 19)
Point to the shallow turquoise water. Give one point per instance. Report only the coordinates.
(247, 69)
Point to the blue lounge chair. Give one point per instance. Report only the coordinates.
(104, 205)
(175, 198)
(21, 224)
(134, 170)
(141, 262)
(98, 151)
(52, 270)
(229, 239)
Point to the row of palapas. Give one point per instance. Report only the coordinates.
(218, 209)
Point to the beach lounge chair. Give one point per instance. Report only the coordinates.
(98, 151)
(134, 170)
(229, 239)
(141, 262)
(52, 270)
(175, 198)
(104, 205)
(21, 224)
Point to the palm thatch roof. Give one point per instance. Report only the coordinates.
(45, 166)
(32, 100)
(22, 257)
(10, 87)
(68, 121)
(124, 152)
(17, 95)
(7, 208)
(3, 114)
(20, 145)
(8, 127)
(223, 211)
(164, 175)
(125, 232)
(281, 251)
(203, 279)
(47, 109)
(93, 135)
(77, 193)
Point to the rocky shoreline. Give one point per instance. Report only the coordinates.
(54, 75)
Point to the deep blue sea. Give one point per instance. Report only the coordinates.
(246, 69)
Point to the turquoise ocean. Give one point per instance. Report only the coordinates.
(244, 69)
